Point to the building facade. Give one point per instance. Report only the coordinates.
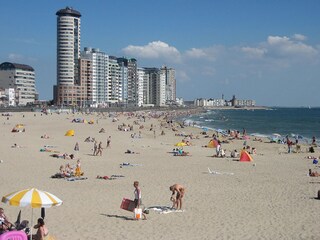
(68, 54)
(170, 82)
(20, 78)
(114, 82)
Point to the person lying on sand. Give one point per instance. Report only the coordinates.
(105, 177)
(131, 152)
(313, 174)
(15, 146)
(45, 136)
(181, 153)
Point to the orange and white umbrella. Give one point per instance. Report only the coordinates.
(32, 197)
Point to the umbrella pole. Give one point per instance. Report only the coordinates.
(31, 227)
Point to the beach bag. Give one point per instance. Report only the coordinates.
(127, 204)
(137, 213)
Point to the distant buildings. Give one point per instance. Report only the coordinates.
(17, 82)
(93, 78)
(222, 102)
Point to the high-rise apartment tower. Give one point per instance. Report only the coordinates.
(68, 54)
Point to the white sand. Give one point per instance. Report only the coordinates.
(275, 199)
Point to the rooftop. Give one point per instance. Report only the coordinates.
(68, 11)
(8, 66)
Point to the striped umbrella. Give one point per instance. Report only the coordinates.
(32, 197)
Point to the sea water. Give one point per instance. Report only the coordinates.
(302, 123)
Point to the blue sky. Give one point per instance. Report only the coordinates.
(264, 50)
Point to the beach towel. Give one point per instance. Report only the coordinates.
(165, 209)
(76, 178)
(219, 173)
(126, 164)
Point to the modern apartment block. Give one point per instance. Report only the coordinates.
(67, 90)
(129, 79)
(156, 85)
(170, 81)
(114, 91)
(86, 81)
(99, 81)
(20, 78)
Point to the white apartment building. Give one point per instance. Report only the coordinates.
(114, 81)
(210, 102)
(67, 91)
(21, 78)
(142, 77)
(99, 81)
(170, 81)
(68, 45)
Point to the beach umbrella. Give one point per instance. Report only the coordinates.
(33, 198)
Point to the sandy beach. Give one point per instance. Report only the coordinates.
(270, 198)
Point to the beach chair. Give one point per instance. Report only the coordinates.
(14, 235)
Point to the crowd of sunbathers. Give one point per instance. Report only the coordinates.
(63, 155)
(68, 171)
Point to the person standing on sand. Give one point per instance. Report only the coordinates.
(76, 147)
(95, 148)
(179, 190)
(137, 197)
(289, 143)
(108, 142)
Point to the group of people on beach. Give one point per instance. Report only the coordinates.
(68, 171)
(177, 190)
(5, 226)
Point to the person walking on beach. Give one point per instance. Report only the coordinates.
(137, 197)
(179, 190)
(109, 142)
(99, 151)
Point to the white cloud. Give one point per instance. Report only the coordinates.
(254, 52)
(287, 47)
(299, 37)
(154, 50)
(196, 53)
